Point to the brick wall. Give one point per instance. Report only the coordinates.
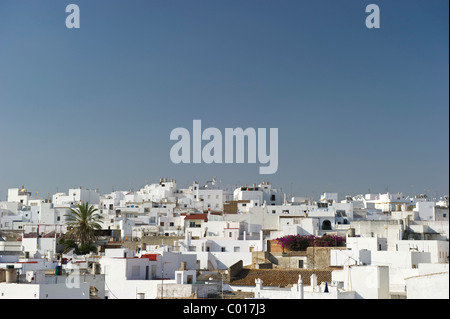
(274, 247)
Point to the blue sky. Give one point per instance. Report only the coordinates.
(356, 108)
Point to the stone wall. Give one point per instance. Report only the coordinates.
(319, 257)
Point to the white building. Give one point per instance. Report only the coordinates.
(164, 190)
(329, 197)
(263, 193)
(19, 195)
(438, 249)
(387, 202)
(223, 250)
(148, 276)
(368, 282)
(76, 196)
(425, 210)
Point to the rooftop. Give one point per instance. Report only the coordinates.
(197, 216)
(280, 277)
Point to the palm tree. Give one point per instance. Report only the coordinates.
(82, 221)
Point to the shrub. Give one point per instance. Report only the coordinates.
(85, 249)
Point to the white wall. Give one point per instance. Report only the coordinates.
(369, 243)
(339, 257)
(220, 260)
(431, 286)
(243, 194)
(400, 259)
(368, 282)
(398, 276)
(43, 291)
(129, 289)
(425, 269)
(41, 245)
(425, 210)
(76, 196)
(439, 249)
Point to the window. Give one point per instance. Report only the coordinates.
(237, 249)
(230, 234)
(171, 224)
(135, 271)
(223, 249)
(272, 197)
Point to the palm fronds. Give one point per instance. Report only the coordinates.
(82, 222)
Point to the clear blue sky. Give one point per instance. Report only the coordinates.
(356, 108)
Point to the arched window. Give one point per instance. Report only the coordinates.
(326, 225)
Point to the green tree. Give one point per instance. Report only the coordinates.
(82, 222)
